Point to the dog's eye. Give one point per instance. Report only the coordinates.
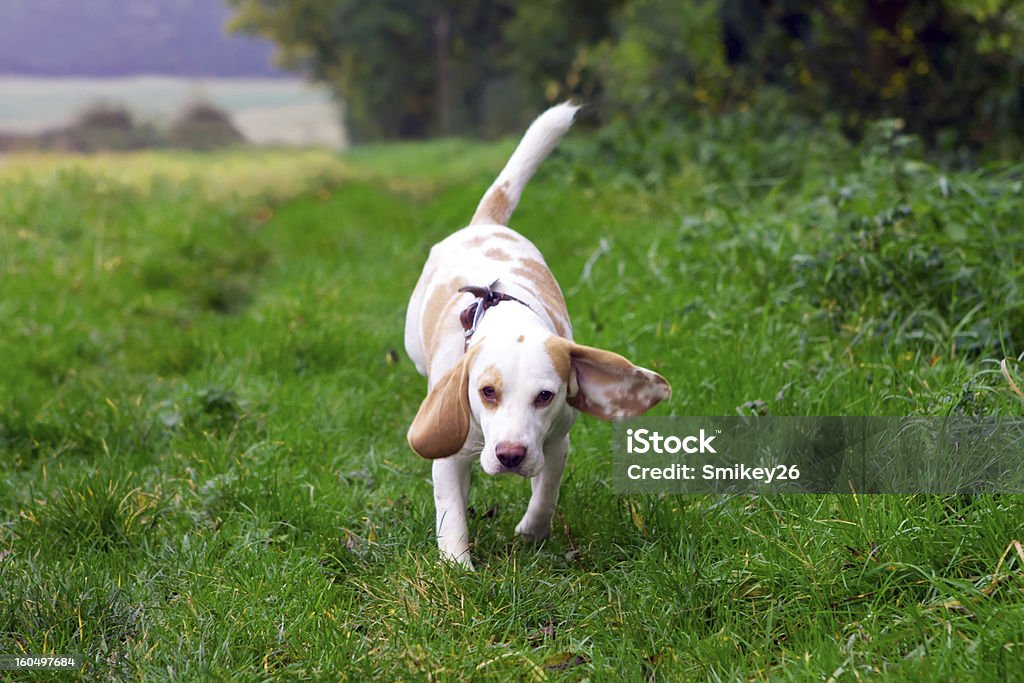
(543, 398)
(489, 393)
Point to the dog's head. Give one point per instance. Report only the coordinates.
(521, 390)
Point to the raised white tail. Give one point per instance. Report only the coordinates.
(502, 196)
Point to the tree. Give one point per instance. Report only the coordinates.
(408, 68)
(950, 69)
(403, 68)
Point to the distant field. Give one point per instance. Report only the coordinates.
(267, 111)
(255, 175)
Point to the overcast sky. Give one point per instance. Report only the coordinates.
(125, 37)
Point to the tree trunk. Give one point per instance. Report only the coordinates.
(442, 32)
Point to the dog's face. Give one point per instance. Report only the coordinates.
(518, 391)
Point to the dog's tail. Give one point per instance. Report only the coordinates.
(501, 198)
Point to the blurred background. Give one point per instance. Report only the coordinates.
(112, 75)
(162, 71)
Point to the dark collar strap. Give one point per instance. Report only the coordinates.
(486, 298)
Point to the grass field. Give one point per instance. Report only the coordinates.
(204, 398)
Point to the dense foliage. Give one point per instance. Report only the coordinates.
(894, 250)
(951, 70)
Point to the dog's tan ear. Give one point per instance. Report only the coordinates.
(607, 385)
(442, 422)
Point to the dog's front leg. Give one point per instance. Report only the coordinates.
(536, 523)
(451, 494)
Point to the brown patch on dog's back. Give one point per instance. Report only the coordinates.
(495, 208)
(434, 313)
(499, 234)
(521, 339)
(497, 254)
(546, 289)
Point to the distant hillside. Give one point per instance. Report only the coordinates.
(125, 37)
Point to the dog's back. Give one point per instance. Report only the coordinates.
(484, 252)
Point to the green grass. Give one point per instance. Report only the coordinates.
(203, 468)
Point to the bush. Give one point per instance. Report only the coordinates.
(950, 70)
(110, 128)
(203, 126)
(99, 128)
(892, 250)
(916, 264)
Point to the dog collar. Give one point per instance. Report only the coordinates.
(486, 298)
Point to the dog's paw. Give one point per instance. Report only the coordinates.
(533, 530)
(459, 558)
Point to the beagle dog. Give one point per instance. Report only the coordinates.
(487, 325)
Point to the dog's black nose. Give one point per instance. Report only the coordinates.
(510, 454)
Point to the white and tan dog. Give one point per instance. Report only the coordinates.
(488, 326)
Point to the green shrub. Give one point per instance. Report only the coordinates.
(950, 70)
(203, 126)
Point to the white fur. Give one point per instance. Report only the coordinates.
(538, 141)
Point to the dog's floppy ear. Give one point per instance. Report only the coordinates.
(605, 384)
(442, 423)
